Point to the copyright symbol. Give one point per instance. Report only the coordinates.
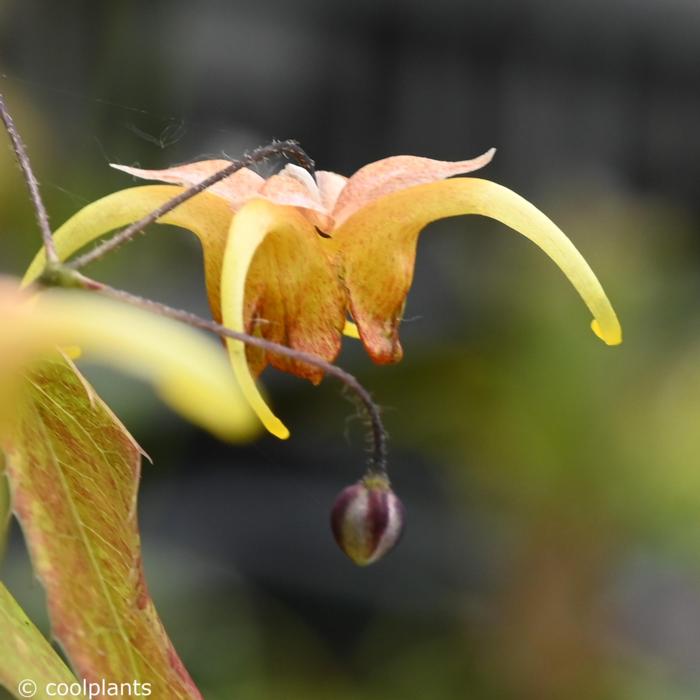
(27, 688)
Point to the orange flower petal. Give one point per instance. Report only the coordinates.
(398, 173)
(236, 189)
(277, 282)
(292, 293)
(378, 247)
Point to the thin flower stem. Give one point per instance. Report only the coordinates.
(290, 149)
(20, 151)
(378, 461)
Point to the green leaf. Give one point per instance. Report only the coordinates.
(24, 653)
(74, 472)
(5, 512)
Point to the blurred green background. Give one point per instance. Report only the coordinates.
(552, 484)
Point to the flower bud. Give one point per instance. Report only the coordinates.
(367, 519)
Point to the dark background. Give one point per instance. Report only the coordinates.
(552, 485)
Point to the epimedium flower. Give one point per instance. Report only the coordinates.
(289, 257)
(187, 369)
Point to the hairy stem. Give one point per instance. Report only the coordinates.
(290, 149)
(20, 151)
(378, 460)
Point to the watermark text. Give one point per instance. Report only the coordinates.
(85, 689)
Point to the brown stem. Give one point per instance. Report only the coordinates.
(378, 462)
(287, 148)
(20, 151)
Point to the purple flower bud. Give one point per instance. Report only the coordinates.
(367, 519)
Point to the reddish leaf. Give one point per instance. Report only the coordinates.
(74, 472)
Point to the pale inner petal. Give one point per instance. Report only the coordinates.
(330, 186)
(236, 189)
